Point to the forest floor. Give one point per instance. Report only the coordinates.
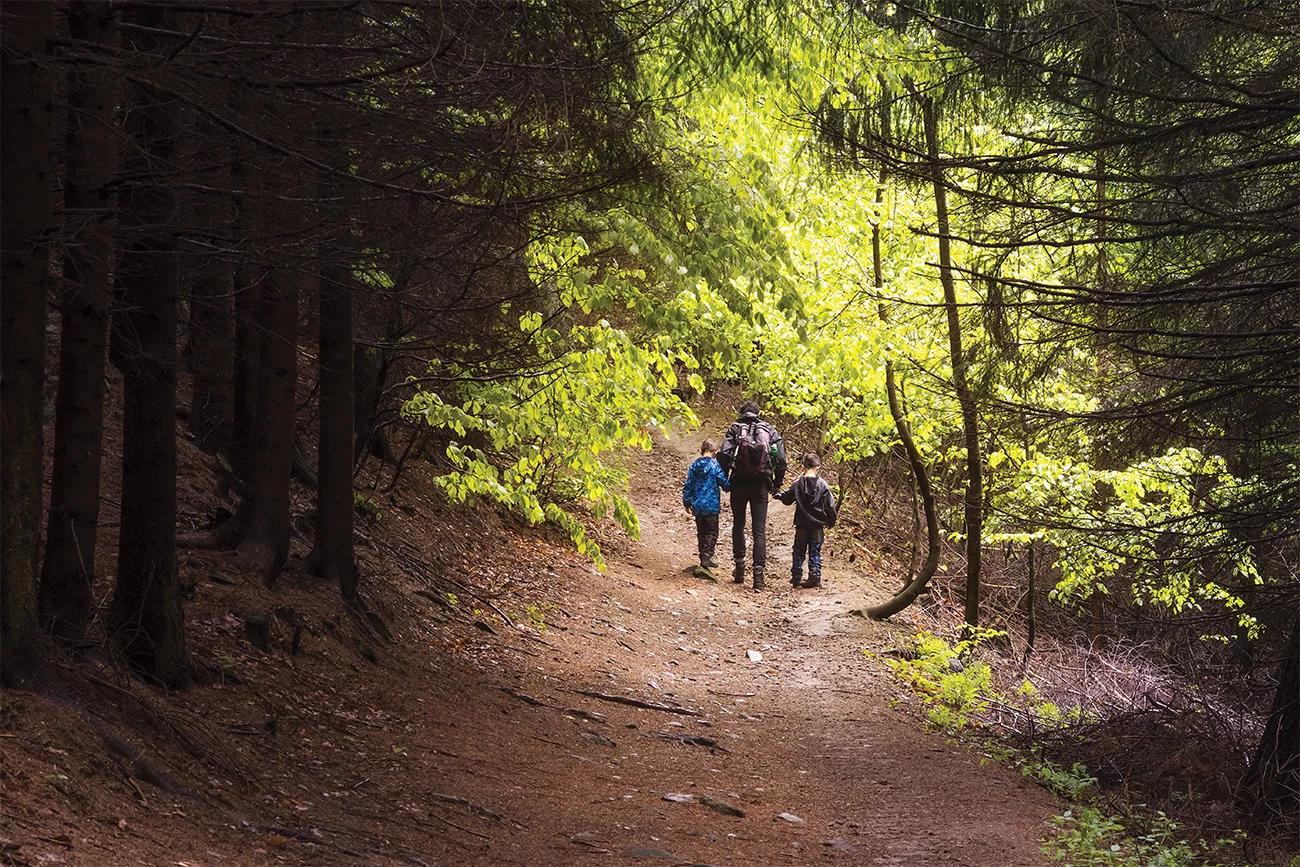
(465, 739)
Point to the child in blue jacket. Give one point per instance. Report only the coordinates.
(701, 498)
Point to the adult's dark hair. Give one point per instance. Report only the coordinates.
(811, 461)
(748, 407)
(708, 447)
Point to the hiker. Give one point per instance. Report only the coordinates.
(814, 511)
(754, 458)
(701, 498)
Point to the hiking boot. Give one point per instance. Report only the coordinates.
(709, 563)
(812, 583)
(795, 579)
(758, 583)
(738, 574)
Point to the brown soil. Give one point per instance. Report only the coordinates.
(467, 740)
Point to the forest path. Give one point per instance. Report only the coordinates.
(808, 731)
(469, 740)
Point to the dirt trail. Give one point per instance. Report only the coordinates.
(808, 731)
(470, 741)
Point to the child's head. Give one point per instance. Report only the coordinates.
(708, 447)
(811, 461)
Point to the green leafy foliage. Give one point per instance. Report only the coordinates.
(1172, 552)
(749, 260)
(954, 691)
(537, 442)
(1088, 837)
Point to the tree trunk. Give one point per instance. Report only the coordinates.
(1274, 775)
(26, 95)
(212, 324)
(147, 617)
(916, 587)
(263, 518)
(334, 557)
(371, 365)
(370, 376)
(248, 288)
(1096, 624)
(1031, 596)
(246, 284)
(974, 499)
(90, 164)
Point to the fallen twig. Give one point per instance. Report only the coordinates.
(477, 809)
(692, 741)
(636, 702)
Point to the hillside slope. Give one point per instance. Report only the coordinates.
(467, 740)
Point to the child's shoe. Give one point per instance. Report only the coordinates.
(812, 583)
(738, 574)
(795, 579)
(758, 583)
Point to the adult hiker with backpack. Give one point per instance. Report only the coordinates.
(753, 456)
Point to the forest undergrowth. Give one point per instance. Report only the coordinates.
(1146, 754)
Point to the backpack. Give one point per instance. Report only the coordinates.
(753, 451)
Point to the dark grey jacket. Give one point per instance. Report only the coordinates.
(814, 504)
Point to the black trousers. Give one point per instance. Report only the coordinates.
(752, 496)
(706, 533)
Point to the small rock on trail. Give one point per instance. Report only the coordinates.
(647, 852)
(720, 806)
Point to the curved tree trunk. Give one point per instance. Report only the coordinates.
(974, 499)
(918, 581)
(147, 617)
(90, 164)
(916, 587)
(26, 95)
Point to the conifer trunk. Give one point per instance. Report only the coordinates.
(974, 498)
(212, 324)
(334, 557)
(263, 518)
(147, 618)
(1275, 769)
(246, 286)
(90, 164)
(26, 96)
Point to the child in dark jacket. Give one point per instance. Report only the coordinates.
(701, 498)
(814, 511)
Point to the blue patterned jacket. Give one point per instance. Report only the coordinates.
(700, 493)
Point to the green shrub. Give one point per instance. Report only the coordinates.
(952, 690)
(1087, 837)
